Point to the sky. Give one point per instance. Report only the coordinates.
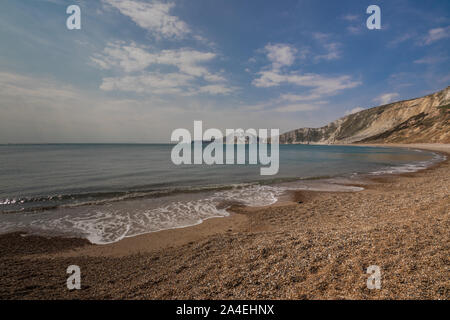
(137, 69)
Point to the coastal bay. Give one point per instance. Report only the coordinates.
(317, 249)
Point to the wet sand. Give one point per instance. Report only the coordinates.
(317, 249)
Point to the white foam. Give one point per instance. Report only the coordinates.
(411, 167)
(103, 224)
(8, 201)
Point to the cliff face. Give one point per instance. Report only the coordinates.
(425, 120)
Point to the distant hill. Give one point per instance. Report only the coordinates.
(420, 120)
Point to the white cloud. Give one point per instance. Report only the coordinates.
(354, 18)
(152, 83)
(296, 97)
(401, 39)
(351, 17)
(279, 105)
(163, 83)
(131, 58)
(333, 52)
(280, 54)
(134, 61)
(431, 60)
(187, 61)
(354, 110)
(320, 36)
(269, 79)
(216, 89)
(322, 85)
(297, 107)
(355, 29)
(386, 98)
(214, 78)
(436, 34)
(153, 16)
(331, 47)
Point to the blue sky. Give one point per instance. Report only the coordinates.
(139, 69)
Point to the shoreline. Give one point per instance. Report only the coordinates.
(437, 147)
(162, 239)
(157, 240)
(268, 224)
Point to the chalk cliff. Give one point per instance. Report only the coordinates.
(424, 120)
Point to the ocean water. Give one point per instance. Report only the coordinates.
(107, 192)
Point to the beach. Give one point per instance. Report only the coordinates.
(309, 245)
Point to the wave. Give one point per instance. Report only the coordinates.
(411, 167)
(97, 198)
(103, 224)
(52, 202)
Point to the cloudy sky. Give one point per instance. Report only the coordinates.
(139, 69)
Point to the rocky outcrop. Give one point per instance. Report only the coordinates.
(424, 120)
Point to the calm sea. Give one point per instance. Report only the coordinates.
(107, 192)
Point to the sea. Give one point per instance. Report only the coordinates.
(107, 192)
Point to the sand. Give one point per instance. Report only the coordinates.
(319, 249)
